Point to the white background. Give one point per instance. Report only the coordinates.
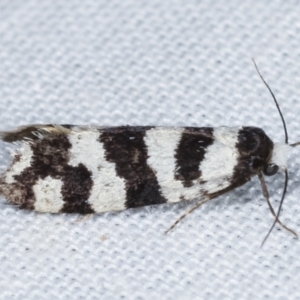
(152, 63)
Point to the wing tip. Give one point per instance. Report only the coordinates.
(32, 132)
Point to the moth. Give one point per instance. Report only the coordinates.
(86, 170)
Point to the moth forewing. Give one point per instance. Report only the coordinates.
(85, 169)
(75, 169)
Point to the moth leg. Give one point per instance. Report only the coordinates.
(187, 213)
(266, 195)
(295, 144)
(83, 218)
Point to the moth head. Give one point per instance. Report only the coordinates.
(278, 159)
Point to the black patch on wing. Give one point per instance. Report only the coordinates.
(125, 146)
(191, 152)
(77, 185)
(50, 158)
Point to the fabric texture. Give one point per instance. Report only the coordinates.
(175, 63)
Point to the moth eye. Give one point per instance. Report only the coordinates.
(271, 170)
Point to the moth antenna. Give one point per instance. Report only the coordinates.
(285, 170)
(266, 195)
(187, 213)
(278, 108)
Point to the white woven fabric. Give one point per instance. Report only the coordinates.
(152, 63)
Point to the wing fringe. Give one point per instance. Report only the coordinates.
(33, 132)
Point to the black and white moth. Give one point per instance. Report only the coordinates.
(85, 170)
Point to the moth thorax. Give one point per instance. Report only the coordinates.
(280, 154)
